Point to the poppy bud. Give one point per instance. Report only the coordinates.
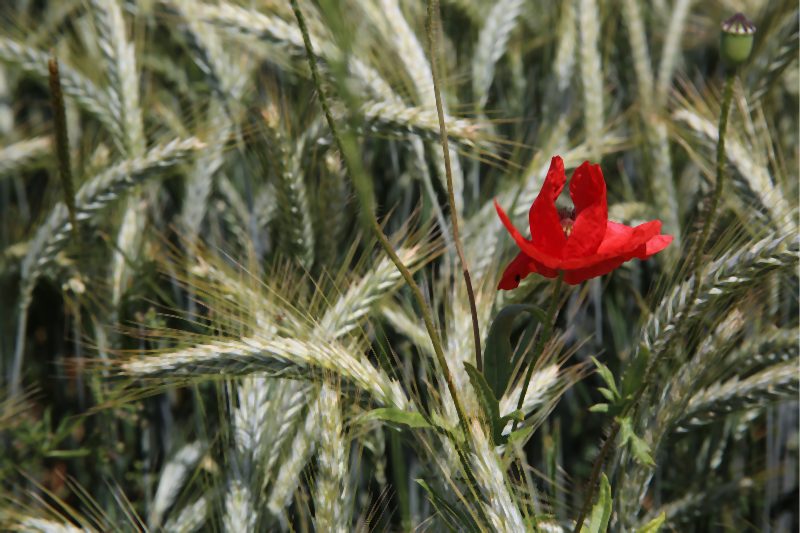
(736, 40)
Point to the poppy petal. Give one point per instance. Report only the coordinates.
(578, 275)
(527, 247)
(655, 245)
(519, 268)
(588, 191)
(546, 232)
(620, 241)
(515, 272)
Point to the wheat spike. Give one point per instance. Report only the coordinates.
(492, 42)
(331, 491)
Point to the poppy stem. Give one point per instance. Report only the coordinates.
(697, 256)
(697, 266)
(432, 26)
(544, 336)
(363, 186)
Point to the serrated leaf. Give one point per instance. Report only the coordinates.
(653, 525)
(641, 451)
(398, 416)
(639, 448)
(498, 356)
(601, 510)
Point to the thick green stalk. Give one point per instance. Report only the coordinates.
(432, 26)
(697, 267)
(697, 256)
(544, 336)
(364, 190)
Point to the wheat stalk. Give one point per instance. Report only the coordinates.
(776, 383)
(94, 100)
(331, 491)
(725, 277)
(121, 69)
(671, 51)
(20, 155)
(754, 175)
(94, 195)
(500, 507)
(191, 518)
(173, 476)
(279, 357)
(656, 131)
(492, 41)
(591, 73)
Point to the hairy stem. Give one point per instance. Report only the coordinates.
(697, 267)
(595, 475)
(547, 331)
(432, 27)
(697, 256)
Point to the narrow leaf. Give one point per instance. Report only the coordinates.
(601, 511)
(498, 357)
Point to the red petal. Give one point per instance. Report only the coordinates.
(588, 191)
(515, 272)
(546, 232)
(655, 245)
(619, 241)
(573, 277)
(527, 247)
(519, 268)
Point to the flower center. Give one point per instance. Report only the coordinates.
(567, 218)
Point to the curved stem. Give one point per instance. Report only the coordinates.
(547, 331)
(364, 190)
(697, 256)
(432, 26)
(697, 267)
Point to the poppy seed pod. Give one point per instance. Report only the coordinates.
(736, 40)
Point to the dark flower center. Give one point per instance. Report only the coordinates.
(567, 218)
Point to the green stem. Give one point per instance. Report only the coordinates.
(364, 190)
(697, 256)
(432, 26)
(697, 267)
(547, 331)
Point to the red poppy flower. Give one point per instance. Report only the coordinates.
(582, 243)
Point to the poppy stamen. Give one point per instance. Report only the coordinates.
(567, 218)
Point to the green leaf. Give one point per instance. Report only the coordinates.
(519, 435)
(634, 373)
(498, 356)
(599, 408)
(639, 448)
(411, 419)
(463, 521)
(607, 376)
(653, 525)
(607, 394)
(601, 511)
(488, 402)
